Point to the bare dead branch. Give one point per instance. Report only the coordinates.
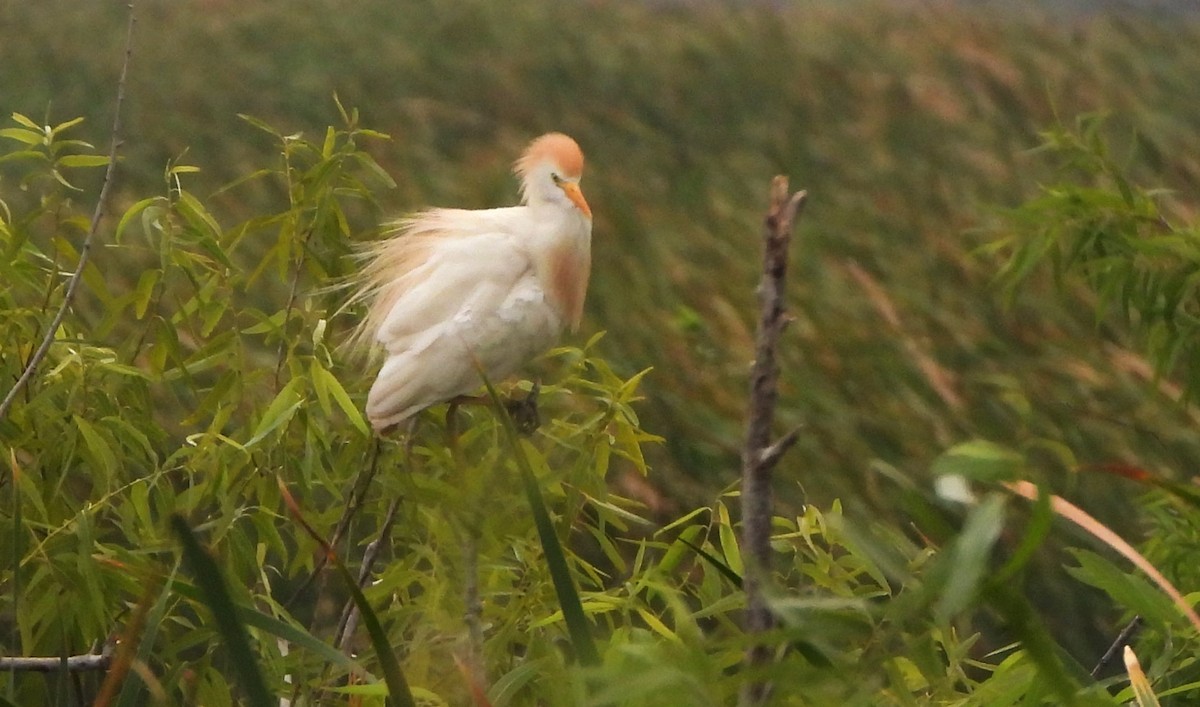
(85, 248)
(125, 655)
(1124, 638)
(74, 664)
(759, 455)
(348, 622)
(769, 457)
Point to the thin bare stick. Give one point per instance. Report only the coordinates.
(472, 666)
(760, 454)
(473, 614)
(349, 620)
(86, 248)
(1124, 638)
(75, 663)
(291, 300)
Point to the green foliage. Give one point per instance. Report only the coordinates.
(1142, 265)
(200, 365)
(101, 462)
(1126, 245)
(216, 596)
(900, 122)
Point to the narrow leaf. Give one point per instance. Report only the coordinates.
(721, 567)
(279, 411)
(28, 137)
(971, 553)
(131, 213)
(326, 381)
(980, 460)
(83, 161)
(1127, 589)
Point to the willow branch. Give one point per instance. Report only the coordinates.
(86, 248)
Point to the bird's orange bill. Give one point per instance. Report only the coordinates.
(576, 196)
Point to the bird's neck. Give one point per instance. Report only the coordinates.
(562, 253)
(558, 222)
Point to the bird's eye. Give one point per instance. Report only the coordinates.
(557, 179)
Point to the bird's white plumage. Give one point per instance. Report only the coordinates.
(458, 291)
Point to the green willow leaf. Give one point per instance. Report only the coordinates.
(971, 556)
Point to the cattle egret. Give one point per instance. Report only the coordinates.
(456, 290)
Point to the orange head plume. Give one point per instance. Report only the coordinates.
(555, 148)
(552, 161)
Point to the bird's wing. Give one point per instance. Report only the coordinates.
(475, 302)
(462, 273)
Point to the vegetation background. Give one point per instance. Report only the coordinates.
(911, 125)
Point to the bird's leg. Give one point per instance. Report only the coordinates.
(524, 411)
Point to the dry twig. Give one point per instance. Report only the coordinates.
(760, 454)
(74, 663)
(1123, 639)
(348, 622)
(1104, 534)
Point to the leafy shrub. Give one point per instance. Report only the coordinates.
(216, 382)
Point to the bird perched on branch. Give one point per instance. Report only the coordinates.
(455, 290)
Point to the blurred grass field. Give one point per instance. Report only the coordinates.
(911, 127)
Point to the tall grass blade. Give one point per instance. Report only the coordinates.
(1021, 619)
(216, 596)
(282, 629)
(560, 572)
(399, 693)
